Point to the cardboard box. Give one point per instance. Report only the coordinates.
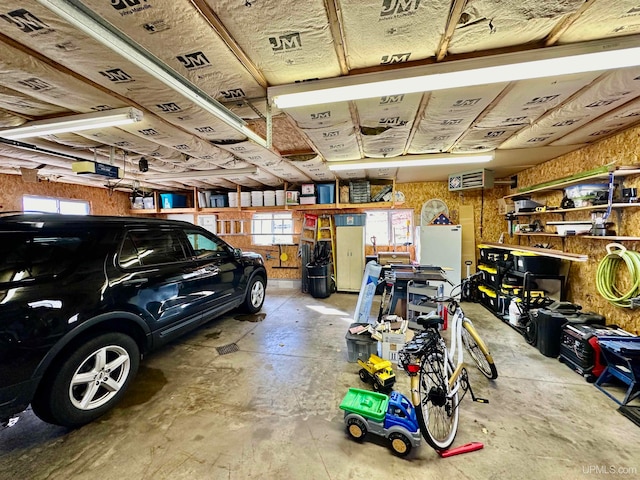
(392, 343)
(505, 206)
(308, 189)
(307, 200)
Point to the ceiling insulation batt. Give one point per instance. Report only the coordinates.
(391, 31)
(13, 100)
(604, 18)
(487, 24)
(315, 168)
(622, 117)
(448, 115)
(611, 91)
(291, 41)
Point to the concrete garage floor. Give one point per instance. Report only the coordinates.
(270, 411)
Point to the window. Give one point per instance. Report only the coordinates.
(389, 227)
(27, 256)
(151, 247)
(206, 247)
(32, 203)
(272, 228)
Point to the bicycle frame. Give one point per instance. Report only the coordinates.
(454, 353)
(455, 350)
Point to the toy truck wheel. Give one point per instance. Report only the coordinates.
(356, 429)
(364, 376)
(377, 386)
(400, 444)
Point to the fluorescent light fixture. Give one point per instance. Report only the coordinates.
(221, 172)
(544, 62)
(86, 20)
(409, 161)
(74, 123)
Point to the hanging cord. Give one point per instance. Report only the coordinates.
(606, 276)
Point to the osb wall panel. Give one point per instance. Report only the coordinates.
(623, 150)
(102, 202)
(488, 226)
(277, 266)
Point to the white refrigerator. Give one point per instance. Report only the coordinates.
(441, 245)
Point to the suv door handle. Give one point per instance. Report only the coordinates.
(135, 281)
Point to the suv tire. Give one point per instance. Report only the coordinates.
(255, 295)
(89, 382)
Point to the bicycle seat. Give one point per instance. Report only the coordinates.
(431, 320)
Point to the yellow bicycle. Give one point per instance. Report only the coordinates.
(438, 374)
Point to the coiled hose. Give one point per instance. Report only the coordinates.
(607, 272)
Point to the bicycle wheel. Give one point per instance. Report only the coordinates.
(478, 351)
(437, 413)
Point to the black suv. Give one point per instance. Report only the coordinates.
(82, 298)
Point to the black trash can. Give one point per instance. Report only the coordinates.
(319, 280)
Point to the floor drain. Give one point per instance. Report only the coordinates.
(223, 350)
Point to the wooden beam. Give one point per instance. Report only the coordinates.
(452, 23)
(225, 36)
(335, 24)
(559, 29)
(546, 252)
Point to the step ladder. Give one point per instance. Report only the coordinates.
(325, 234)
(309, 233)
(306, 245)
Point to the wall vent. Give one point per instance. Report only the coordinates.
(473, 180)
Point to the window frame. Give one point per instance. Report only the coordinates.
(284, 238)
(390, 241)
(59, 201)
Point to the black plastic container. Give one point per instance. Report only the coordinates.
(536, 264)
(550, 322)
(319, 280)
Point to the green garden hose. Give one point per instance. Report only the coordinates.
(607, 271)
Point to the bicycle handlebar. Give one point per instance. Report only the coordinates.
(452, 298)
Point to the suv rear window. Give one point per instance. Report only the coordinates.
(28, 256)
(151, 247)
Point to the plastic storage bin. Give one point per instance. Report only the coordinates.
(326, 193)
(359, 192)
(173, 200)
(489, 297)
(360, 346)
(532, 263)
(491, 254)
(490, 276)
(347, 220)
(218, 201)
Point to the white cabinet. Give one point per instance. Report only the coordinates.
(349, 258)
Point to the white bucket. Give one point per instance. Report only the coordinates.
(269, 198)
(280, 197)
(514, 312)
(257, 199)
(233, 199)
(245, 199)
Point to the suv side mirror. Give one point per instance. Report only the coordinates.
(237, 252)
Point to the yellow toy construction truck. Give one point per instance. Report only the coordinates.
(378, 372)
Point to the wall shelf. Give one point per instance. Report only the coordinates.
(595, 208)
(617, 172)
(591, 237)
(547, 252)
